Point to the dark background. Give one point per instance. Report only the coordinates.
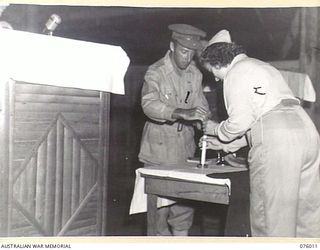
(143, 33)
(266, 33)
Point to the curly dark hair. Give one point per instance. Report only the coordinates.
(221, 54)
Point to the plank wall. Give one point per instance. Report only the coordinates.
(57, 158)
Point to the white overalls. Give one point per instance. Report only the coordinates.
(284, 155)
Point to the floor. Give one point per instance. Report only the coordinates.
(204, 225)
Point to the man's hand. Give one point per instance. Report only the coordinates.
(212, 143)
(197, 113)
(209, 127)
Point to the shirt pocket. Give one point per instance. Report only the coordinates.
(155, 142)
(188, 98)
(168, 97)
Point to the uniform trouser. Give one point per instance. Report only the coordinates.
(284, 169)
(178, 216)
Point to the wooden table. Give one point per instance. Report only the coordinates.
(237, 221)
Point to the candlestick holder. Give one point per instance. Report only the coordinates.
(202, 165)
(220, 159)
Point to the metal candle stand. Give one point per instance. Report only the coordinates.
(203, 153)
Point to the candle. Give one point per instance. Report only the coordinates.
(203, 150)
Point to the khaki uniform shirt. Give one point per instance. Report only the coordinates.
(163, 91)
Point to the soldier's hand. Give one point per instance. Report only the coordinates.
(192, 114)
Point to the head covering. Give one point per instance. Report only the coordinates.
(223, 36)
(188, 36)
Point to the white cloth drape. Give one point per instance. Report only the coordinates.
(300, 84)
(139, 198)
(42, 59)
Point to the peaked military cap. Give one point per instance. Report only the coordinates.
(188, 36)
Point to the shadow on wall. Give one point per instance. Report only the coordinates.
(127, 121)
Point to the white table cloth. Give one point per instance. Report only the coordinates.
(192, 173)
(50, 60)
(300, 85)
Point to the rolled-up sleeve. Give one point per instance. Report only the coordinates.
(151, 100)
